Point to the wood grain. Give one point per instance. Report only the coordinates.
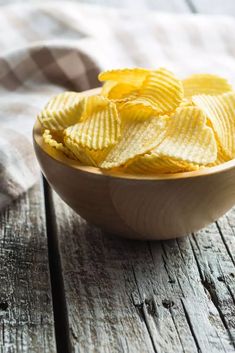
(26, 314)
(130, 296)
(99, 288)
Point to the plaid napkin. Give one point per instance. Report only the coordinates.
(62, 46)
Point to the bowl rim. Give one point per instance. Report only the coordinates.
(61, 158)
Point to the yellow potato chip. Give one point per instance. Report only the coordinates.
(153, 163)
(188, 138)
(107, 86)
(56, 141)
(118, 91)
(139, 136)
(134, 112)
(79, 152)
(91, 104)
(145, 122)
(161, 91)
(205, 84)
(220, 112)
(84, 155)
(61, 111)
(186, 103)
(99, 126)
(122, 92)
(135, 76)
(221, 158)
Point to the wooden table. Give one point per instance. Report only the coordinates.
(97, 293)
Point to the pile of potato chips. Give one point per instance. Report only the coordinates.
(145, 122)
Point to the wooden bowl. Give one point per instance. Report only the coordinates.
(143, 207)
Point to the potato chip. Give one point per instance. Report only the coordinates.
(205, 84)
(122, 92)
(161, 91)
(99, 126)
(142, 122)
(153, 163)
(135, 76)
(139, 136)
(61, 111)
(188, 138)
(79, 152)
(56, 141)
(107, 86)
(186, 102)
(92, 104)
(85, 155)
(133, 112)
(118, 91)
(220, 112)
(221, 158)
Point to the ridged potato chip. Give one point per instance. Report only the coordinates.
(99, 126)
(85, 155)
(153, 163)
(139, 136)
(56, 141)
(145, 122)
(107, 86)
(133, 112)
(135, 76)
(205, 84)
(92, 104)
(122, 92)
(221, 158)
(188, 138)
(61, 111)
(161, 91)
(79, 152)
(220, 111)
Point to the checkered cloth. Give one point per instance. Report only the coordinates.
(62, 46)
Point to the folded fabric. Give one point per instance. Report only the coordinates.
(63, 45)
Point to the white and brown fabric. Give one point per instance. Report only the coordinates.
(62, 46)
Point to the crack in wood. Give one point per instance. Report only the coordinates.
(177, 330)
(225, 243)
(143, 308)
(58, 295)
(209, 286)
(146, 308)
(195, 257)
(146, 321)
(187, 316)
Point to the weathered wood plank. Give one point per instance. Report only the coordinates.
(216, 265)
(178, 282)
(225, 7)
(144, 296)
(100, 288)
(26, 314)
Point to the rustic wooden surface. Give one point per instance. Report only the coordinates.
(109, 294)
(130, 296)
(26, 314)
